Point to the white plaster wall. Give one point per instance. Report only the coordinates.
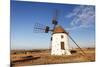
(56, 44)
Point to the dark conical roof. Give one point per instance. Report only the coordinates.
(58, 29)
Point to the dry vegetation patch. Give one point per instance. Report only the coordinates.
(34, 57)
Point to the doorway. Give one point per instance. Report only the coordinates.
(62, 46)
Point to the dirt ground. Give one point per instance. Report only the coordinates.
(42, 56)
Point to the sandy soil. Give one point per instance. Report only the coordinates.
(42, 56)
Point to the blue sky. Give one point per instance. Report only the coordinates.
(78, 20)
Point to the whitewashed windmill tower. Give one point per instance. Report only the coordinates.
(59, 39)
(59, 42)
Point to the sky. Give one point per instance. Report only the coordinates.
(78, 20)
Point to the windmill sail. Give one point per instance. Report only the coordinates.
(40, 28)
(55, 16)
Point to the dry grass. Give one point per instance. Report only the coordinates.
(35, 57)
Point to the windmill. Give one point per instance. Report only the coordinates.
(59, 38)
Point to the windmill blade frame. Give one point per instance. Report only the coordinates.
(41, 28)
(55, 17)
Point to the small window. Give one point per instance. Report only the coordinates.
(62, 46)
(51, 38)
(62, 36)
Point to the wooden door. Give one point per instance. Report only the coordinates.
(62, 46)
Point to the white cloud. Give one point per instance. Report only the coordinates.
(82, 17)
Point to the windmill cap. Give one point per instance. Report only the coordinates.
(59, 29)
